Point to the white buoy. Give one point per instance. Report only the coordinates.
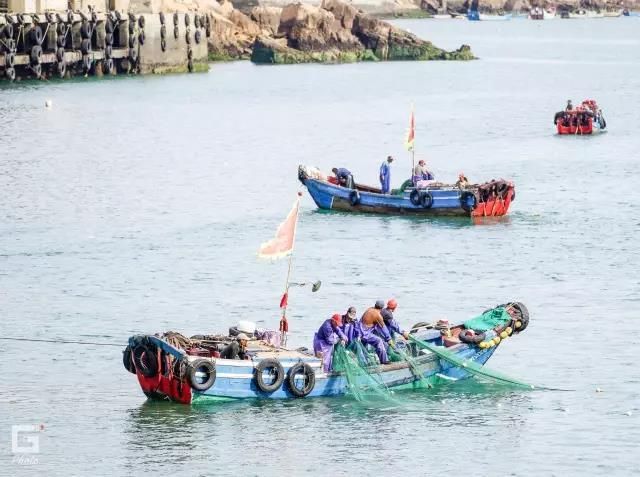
(598, 390)
(48, 104)
(628, 413)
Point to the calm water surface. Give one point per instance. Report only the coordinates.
(137, 205)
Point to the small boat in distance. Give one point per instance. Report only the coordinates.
(587, 118)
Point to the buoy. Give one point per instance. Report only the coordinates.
(518, 324)
(496, 340)
(503, 335)
(598, 390)
(47, 104)
(628, 413)
(509, 330)
(483, 344)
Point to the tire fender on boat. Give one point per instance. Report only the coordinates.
(426, 200)
(414, 197)
(354, 197)
(145, 360)
(523, 317)
(271, 364)
(127, 360)
(202, 366)
(309, 378)
(467, 197)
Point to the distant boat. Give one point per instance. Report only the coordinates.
(585, 14)
(585, 119)
(539, 13)
(613, 14)
(493, 18)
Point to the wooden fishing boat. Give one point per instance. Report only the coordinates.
(586, 119)
(189, 370)
(490, 199)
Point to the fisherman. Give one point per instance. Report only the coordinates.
(385, 175)
(462, 181)
(325, 339)
(237, 349)
(344, 176)
(421, 173)
(374, 332)
(349, 324)
(569, 106)
(389, 320)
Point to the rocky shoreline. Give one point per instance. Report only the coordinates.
(333, 32)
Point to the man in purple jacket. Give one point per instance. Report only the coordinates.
(325, 339)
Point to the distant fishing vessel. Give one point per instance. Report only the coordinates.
(582, 13)
(585, 119)
(539, 13)
(172, 367)
(475, 15)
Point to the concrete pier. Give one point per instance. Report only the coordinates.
(66, 43)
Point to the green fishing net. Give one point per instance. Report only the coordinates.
(488, 320)
(469, 366)
(362, 383)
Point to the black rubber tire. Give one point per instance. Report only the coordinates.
(86, 63)
(133, 54)
(108, 39)
(50, 17)
(176, 32)
(107, 66)
(70, 17)
(163, 32)
(196, 21)
(20, 17)
(310, 379)
(61, 29)
(85, 46)
(208, 31)
(465, 337)
(141, 37)
(85, 30)
(132, 27)
(161, 18)
(108, 25)
(354, 198)
(108, 51)
(176, 19)
(145, 360)
(35, 56)
(187, 37)
(10, 45)
(414, 197)
(163, 44)
(197, 36)
(264, 365)
(198, 365)
(464, 199)
(187, 20)
(60, 41)
(524, 316)
(35, 35)
(62, 71)
(426, 200)
(133, 41)
(118, 15)
(60, 55)
(190, 54)
(8, 30)
(94, 16)
(10, 74)
(141, 21)
(190, 66)
(10, 60)
(127, 358)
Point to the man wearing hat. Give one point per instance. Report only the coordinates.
(389, 320)
(325, 339)
(237, 349)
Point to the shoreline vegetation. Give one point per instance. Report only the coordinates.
(334, 32)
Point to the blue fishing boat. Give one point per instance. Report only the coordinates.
(189, 370)
(490, 199)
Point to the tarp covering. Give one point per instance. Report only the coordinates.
(488, 320)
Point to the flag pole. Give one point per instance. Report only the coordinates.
(284, 325)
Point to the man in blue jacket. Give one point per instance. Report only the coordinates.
(385, 175)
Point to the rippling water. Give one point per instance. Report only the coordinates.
(137, 205)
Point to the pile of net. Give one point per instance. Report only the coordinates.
(489, 320)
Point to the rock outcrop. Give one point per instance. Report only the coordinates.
(338, 32)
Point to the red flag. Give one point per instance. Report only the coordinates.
(282, 244)
(412, 132)
(284, 301)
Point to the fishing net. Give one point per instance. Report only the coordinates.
(470, 366)
(488, 320)
(362, 384)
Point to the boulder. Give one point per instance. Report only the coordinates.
(267, 18)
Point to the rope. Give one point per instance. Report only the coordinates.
(63, 341)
